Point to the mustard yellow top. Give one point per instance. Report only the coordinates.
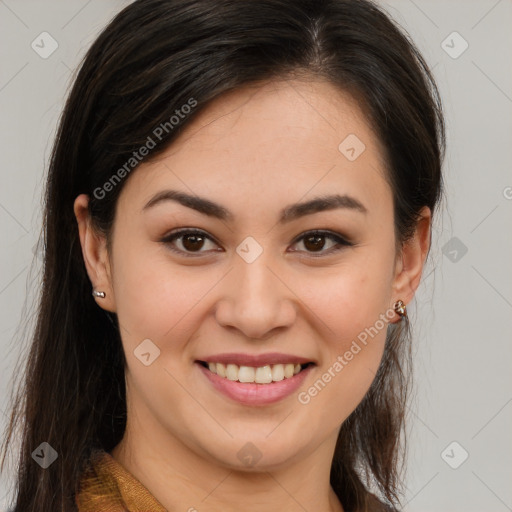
(106, 486)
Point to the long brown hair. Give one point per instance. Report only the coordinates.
(149, 61)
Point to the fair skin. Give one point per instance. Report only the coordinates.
(253, 151)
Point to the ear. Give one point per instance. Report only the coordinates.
(95, 254)
(410, 262)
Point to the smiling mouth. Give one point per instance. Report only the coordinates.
(259, 375)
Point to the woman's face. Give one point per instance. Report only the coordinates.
(253, 282)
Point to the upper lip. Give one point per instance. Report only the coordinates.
(255, 360)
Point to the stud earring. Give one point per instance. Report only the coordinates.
(98, 294)
(400, 309)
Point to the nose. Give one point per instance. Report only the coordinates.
(257, 300)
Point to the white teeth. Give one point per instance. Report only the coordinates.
(277, 372)
(261, 375)
(221, 369)
(246, 374)
(288, 370)
(232, 372)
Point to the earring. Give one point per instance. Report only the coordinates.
(98, 294)
(400, 309)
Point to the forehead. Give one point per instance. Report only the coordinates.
(279, 140)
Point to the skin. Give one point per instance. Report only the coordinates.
(254, 151)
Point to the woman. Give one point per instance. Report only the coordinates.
(238, 211)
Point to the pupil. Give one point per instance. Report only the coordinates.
(196, 242)
(317, 242)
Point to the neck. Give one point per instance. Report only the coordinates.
(181, 478)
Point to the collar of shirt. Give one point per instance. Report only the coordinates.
(107, 486)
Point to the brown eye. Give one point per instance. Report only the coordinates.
(191, 241)
(314, 241)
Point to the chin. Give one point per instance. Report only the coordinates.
(256, 454)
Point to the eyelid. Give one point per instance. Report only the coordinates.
(167, 239)
(340, 240)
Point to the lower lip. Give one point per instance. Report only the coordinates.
(250, 393)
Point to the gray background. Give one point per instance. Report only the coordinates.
(462, 312)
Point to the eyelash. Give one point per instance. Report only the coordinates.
(341, 242)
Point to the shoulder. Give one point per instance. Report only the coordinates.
(107, 485)
(97, 487)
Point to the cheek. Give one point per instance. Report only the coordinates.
(349, 298)
(350, 305)
(152, 304)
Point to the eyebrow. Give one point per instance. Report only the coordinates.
(289, 213)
